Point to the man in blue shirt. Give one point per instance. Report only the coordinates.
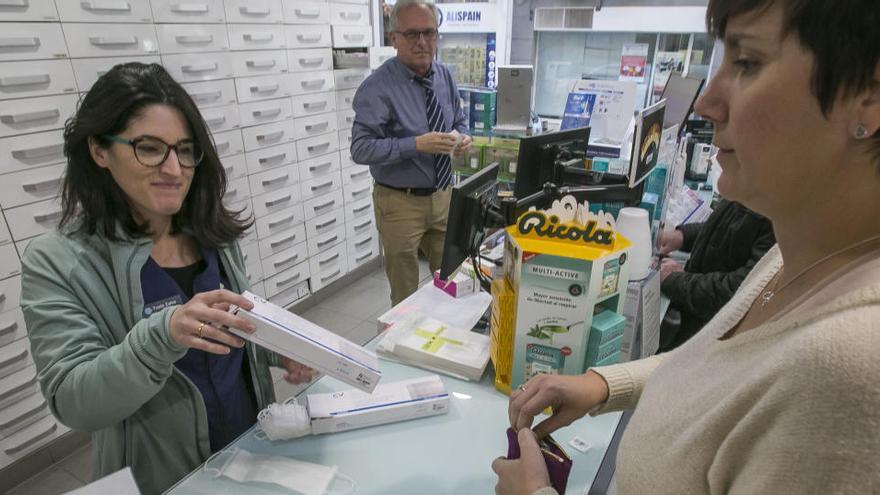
(404, 114)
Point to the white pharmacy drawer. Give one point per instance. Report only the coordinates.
(272, 157)
(345, 120)
(359, 209)
(352, 36)
(107, 40)
(28, 10)
(208, 94)
(341, 13)
(188, 11)
(344, 99)
(303, 36)
(262, 87)
(31, 151)
(36, 78)
(88, 70)
(345, 139)
(317, 146)
(22, 414)
(320, 245)
(249, 235)
(299, 12)
(364, 2)
(104, 11)
(275, 201)
(356, 176)
(250, 253)
(258, 63)
(311, 104)
(9, 261)
(323, 204)
(277, 243)
(285, 259)
(222, 118)
(356, 192)
(198, 66)
(291, 295)
(18, 385)
(379, 54)
(265, 135)
(30, 186)
(319, 166)
(362, 249)
(34, 219)
(360, 227)
(259, 289)
(254, 272)
(314, 125)
(35, 114)
(345, 158)
(265, 111)
(349, 78)
(270, 225)
(254, 11)
(311, 82)
(30, 438)
(32, 41)
(14, 357)
(315, 188)
(273, 180)
(310, 59)
(4, 233)
(228, 143)
(286, 279)
(188, 38)
(323, 224)
(10, 294)
(237, 190)
(12, 327)
(235, 166)
(256, 37)
(334, 266)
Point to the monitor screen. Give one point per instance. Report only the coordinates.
(680, 94)
(537, 155)
(646, 142)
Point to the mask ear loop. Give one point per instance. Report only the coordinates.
(344, 477)
(219, 471)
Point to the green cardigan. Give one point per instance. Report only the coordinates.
(106, 370)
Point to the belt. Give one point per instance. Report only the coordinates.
(415, 191)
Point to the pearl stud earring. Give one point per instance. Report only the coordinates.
(861, 132)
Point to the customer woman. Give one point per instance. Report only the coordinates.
(780, 392)
(125, 302)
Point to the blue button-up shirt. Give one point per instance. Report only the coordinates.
(390, 111)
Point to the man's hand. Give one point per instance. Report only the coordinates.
(669, 266)
(464, 145)
(297, 373)
(670, 241)
(438, 143)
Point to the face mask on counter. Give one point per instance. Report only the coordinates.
(284, 421)
(302, 477)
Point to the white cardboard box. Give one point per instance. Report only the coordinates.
(389, 403)
(287, 334)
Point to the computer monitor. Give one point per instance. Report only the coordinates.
(646, 142)
(680, 94)
(537, 155)
(468, 209)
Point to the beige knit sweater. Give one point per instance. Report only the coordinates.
(790, 407)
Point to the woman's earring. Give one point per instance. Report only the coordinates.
(861, 132)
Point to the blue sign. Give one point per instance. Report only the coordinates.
(578, 110)
(490, 61)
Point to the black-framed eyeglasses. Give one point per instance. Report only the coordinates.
(151, 151)
(412, 35)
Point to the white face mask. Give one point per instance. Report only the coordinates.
(302, 477)
(284, 421)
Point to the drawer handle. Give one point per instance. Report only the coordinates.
(318, 146)
(279, 264)
(358, 77)
(215, 121)
(18, 357)
(353, 37)
(279, 156)
(48, 217)
(15, 449)
(259, 114)
(272, 136)
(204, 38)
(2, 297)
(350, 16)
(332, 275)
(324, 243)
(260, 64)
(222, 147)
(284, 220)
(228, 169)
(307, 13)
(276, 202)
(325, 224)
(20, 42)
(309, 39)
(364, 257)
(258, 37)
(363, 225)
(358, 192)
(6, 82)
(190, 8)
(230, 193)
(265, 88)
(314, 83)
(114, 6)
(330, 259)
(349, 120)
(348, 99)
(359, 174)
(325, 205)
(206, 67)
(317, 167)
(282, 242)
(46, 184)
(288, 280)
(322, 186)
(314, 105)
(21, 118)
(113, 40)
(20, 388)
(254, 11)
(269, 182)
(24, 415)
(49, 151)
(317, 127)
(8, 328)
(13, 3)
(207, 96)
(311, 61)
(362, 208)
(363, 242)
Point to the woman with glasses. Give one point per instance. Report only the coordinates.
(126, 301)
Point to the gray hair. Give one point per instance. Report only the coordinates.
(403, 4)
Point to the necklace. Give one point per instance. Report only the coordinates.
(769, 293)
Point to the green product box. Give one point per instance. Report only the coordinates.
(612, 359)
(601, 353)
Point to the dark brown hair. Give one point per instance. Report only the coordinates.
(93, 202)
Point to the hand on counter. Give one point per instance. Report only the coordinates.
(525, 475)
(669, 266)
(571, 397)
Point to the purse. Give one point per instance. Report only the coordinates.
(557, 461)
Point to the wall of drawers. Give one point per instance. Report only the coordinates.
(262, 73)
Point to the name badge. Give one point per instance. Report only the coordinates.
(162, 304)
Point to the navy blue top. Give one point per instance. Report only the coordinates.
(230, 404)
(390, 111)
